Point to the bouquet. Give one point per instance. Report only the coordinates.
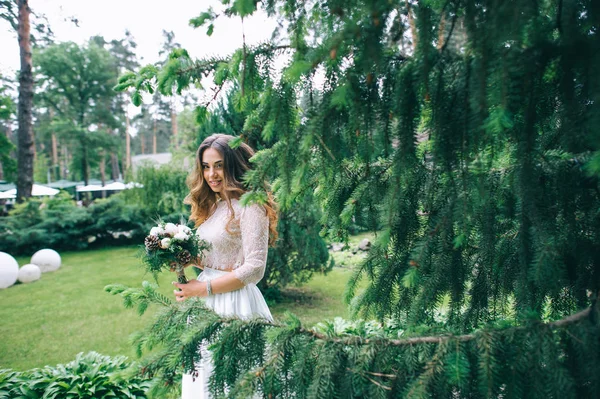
(172, 246)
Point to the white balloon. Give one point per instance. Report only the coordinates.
(9, 270)
(47, 259)
(29, 273)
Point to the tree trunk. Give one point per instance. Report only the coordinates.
(413, 26)
(26, 147)
(114, 162)
(154, 138)
(142, 143)
(64, 162)
(7, 133)
(84, 164)
(55, 167)
(103, 172)
(174, 124)
(114, 166)
(128, 143)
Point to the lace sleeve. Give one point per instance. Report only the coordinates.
(254, 226)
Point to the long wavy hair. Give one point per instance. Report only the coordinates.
(236, 161)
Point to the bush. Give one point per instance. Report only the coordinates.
(162, 193)
(300, 251)
(58, 223)
(90, 375)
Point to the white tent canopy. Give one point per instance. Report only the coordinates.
(115, 186)
(7, 195)
(89, 187)
(37, 190)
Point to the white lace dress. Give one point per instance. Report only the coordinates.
(244, 249)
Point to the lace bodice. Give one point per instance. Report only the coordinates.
(244, 247)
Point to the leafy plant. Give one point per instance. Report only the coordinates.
(89, 375)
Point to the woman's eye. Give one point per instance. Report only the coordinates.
(219, 166)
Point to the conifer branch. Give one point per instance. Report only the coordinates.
(355, 340)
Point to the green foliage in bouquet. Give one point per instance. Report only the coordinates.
(171, 246)
(89, 375)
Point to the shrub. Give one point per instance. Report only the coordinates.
(61, 225)
(300, 251)
(162, 193)
(90, 375)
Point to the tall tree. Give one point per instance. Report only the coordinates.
(476, 160)
(77, 83)
(123, 51)
(17, 14)
(8, 166)
(169, 44)
(26, 147)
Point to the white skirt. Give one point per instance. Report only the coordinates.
(245, 303)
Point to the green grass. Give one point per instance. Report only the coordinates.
(319, 299)
(67, 311)
(346, 258)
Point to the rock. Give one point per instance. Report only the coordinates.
(9, 270)
(29, 273)
(354, 251)
(48, 260)
(337, 246)
(117, 234)
(364, 245)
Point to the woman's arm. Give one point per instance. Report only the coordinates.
(219, 285)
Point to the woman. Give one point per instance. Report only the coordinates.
(239, 238)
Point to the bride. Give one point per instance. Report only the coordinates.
(239, 238)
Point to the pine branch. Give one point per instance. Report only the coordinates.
(355, 340)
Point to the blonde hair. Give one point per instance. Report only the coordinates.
(236, 161)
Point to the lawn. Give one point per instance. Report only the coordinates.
(67, 311)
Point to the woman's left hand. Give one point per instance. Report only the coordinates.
(192, 288)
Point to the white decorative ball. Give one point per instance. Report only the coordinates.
(29, 273)
(47, 259)
(9, 270)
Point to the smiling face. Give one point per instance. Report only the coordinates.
(212, 168)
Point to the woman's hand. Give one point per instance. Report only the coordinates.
(191, 289)
(198, 264)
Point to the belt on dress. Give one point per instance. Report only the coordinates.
(219, 270)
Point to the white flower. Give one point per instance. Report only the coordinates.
(156, 231)
(171, 229)
(181, 237)
(165, 243)
(184, 229)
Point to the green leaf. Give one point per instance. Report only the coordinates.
(411, 277)
(210, 30)
(244, 7)
(236, 142)
(136, 98)
(293, 73)
(268, 131)
(339, 98)
(202, 18)
(201, 114)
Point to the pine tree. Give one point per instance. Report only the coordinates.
(465, 132)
